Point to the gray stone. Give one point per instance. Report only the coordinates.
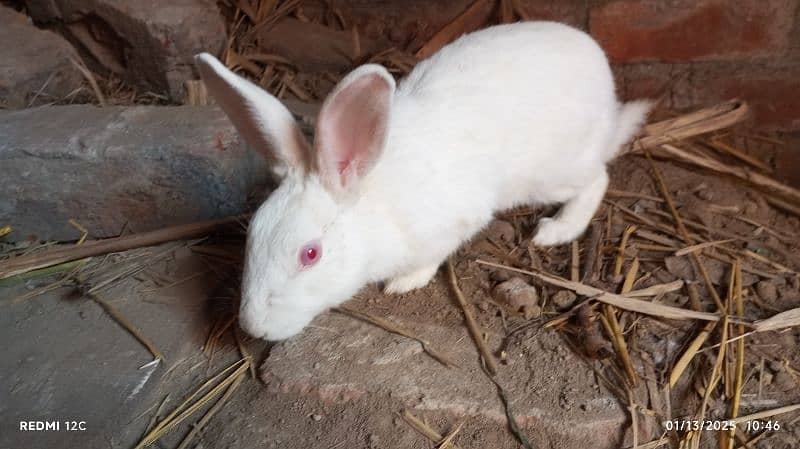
(144, 167)
(151, 43)
(342, 360)
(34, 63)
(563, 300)
(71, 361)
(519, 296)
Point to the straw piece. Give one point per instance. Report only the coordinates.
(658, 238)
(712, 381)
(593, 247)
(655, 290)
(766, 414)
(703, 121)
(5, 230)
(196, 93)
(688, 355)
(84, 232)
(133, 330)
(471, 19)
(655, 444)
(472, 325)
(187, 408)
(684, 233)
(575, 262)
(740, 172)
(101, 99)
(424, 429)
(243, 351)
(623, 194)
(789, 318)
(610, 323)
(73, 266)
(635, 305)
(447, 441)
(628, 211)
(634, 418)
(615, 331)
(55, 256)
(721, 146)
(783, 205)
(739, 385)
(692, 248)
(395, 329)
(621, 251)
(630, 278)
(211, 412)
(782, 237)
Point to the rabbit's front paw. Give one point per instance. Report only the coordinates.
(552, 231)
(410, 281)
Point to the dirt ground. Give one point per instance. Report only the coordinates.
(344, 383)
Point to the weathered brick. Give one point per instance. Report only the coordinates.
(34, 63)
(773, 93)
(341, 359)
(412, 22)
(571, 12)
(403, 24)
(151, 43)
(146, 167)
(690, 30)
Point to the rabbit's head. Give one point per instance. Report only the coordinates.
(303, 253)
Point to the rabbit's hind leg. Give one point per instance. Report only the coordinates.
(411, 280)
(574, 216)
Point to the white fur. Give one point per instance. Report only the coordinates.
(514, 114)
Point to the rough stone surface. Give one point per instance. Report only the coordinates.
(339, 359)
(34, 63)
(690, 30)
(70, 361)
(564, 299)
(519, 296)
(151, 42)
(107, 168)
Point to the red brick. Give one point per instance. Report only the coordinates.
(572, 12)
(689, 30)
(773, 96)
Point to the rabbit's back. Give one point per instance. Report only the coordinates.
(524, 108)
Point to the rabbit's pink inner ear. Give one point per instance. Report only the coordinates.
(351, 129)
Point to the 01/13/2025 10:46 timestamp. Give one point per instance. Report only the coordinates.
(686, 425)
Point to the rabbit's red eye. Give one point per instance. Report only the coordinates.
(310, 253)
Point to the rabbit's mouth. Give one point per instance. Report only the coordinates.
(275, 323)
(254, 327)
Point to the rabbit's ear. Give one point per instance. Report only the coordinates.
(261, 119)
(352, 128)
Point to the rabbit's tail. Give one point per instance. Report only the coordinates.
(630, 118)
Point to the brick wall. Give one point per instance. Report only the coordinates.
(691, 52)
(701, 51)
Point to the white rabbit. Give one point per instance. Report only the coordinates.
(398, 178)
